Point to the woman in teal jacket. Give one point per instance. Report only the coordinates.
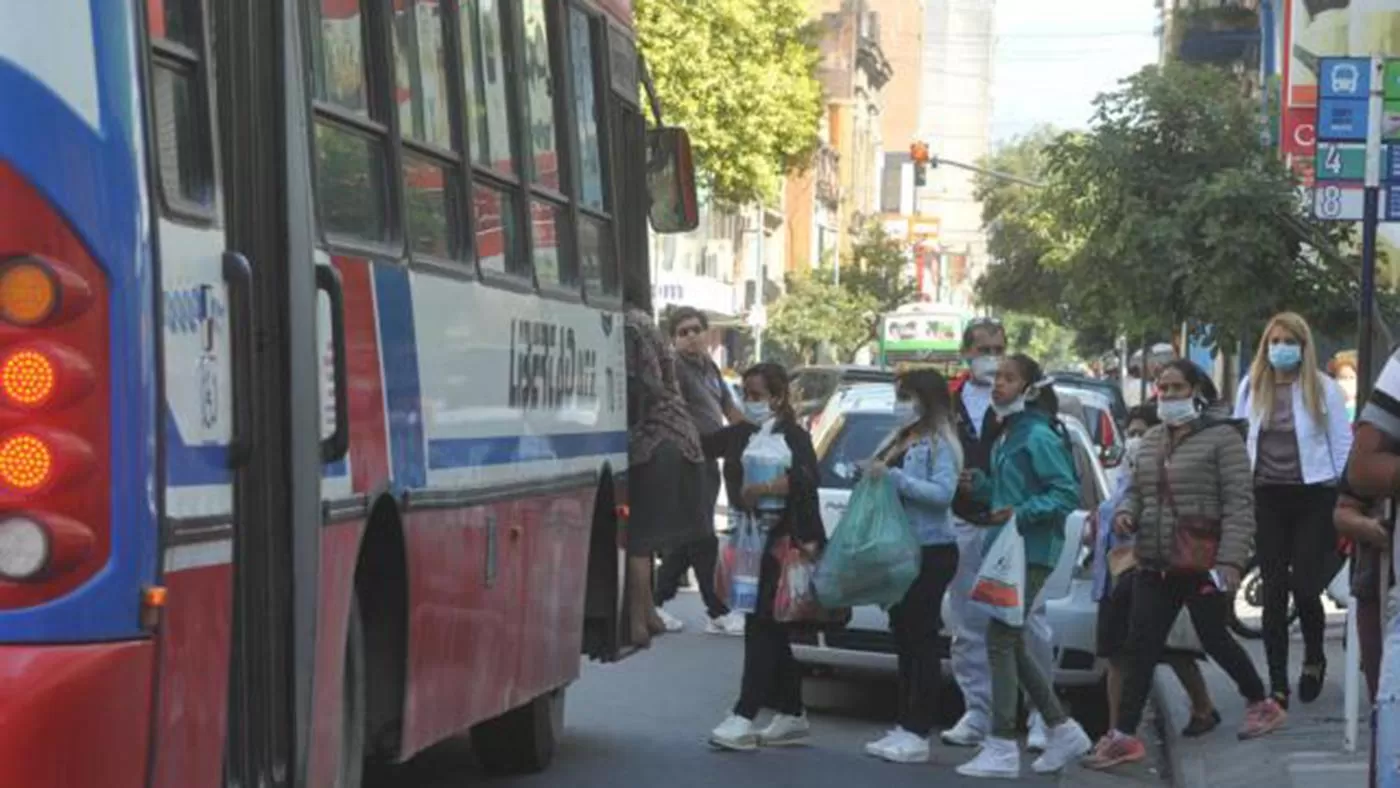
(1033, 483)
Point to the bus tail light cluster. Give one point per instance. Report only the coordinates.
(55, 529)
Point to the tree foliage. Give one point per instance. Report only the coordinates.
(740, 76)
(841, 311)
(1167, 210)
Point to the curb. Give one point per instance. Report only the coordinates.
(1183, 771)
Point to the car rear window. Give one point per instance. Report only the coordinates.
(814, 384)
(859, 435)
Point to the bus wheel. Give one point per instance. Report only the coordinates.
(352, 705)
(522, 740)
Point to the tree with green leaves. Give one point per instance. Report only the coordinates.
(1168, 210)
(841, 310)
(740, 76)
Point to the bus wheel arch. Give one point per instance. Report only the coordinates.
(381, 598)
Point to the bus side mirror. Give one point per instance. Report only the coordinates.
(671, 181)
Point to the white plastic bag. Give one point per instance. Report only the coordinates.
(1000, 589)
(766, 458)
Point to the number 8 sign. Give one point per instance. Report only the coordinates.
(1343, 202)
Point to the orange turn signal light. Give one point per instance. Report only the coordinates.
(38, 458)
(43, 374)
(29, 291)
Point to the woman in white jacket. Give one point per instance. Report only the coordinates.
(1299, 437)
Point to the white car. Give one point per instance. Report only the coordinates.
(866, 643)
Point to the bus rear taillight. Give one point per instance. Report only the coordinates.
(56, 417)
(43, 375)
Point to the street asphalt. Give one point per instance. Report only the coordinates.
(644, 722)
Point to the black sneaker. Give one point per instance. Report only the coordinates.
(1310, 682)
(1200, 726)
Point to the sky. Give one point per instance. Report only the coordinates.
(1054, 56)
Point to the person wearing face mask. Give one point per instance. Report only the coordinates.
(1189, 509)
(785, 506)
(1113, 569)
(977, 427)
(923, 458)
(1032, 481)
(1299, 438)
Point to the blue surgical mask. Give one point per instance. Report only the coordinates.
(906, 411)
(758, 412)
(1285, 357)
(1176, 412)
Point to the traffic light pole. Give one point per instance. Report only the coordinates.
(937, 161)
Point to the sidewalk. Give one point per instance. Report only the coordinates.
(1307, 753)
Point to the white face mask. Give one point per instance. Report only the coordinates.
(1176, 412)
(984, 369)
(906, 411)
(758, 412)
(1011, 408)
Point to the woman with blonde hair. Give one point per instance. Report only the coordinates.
(1299, 437)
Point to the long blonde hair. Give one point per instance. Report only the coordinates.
(1261, 373)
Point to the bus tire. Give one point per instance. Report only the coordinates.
(351, 770)
(523, 740)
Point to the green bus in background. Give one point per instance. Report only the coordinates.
(922, 333)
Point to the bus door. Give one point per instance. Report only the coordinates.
(230, 706)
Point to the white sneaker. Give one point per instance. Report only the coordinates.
(900, 746)
(1066, 742)
(672, 623)
(1000, 758)
(785, 729)
(734, 624)
(969, 732)
(715, 626)
(735, 733)
(1038, 736)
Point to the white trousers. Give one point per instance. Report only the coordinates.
(968, 623)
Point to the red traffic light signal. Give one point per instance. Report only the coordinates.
(918, 151)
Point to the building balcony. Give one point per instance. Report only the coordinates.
(1218, 35)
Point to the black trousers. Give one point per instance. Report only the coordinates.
(916, 621)
(1157, 601)
(701, 554)
(1297, 543)
(772, 679)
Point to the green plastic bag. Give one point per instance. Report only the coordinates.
(873, 556)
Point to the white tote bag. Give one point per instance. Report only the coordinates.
(1000, 589)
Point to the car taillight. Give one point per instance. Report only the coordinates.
(55, 529)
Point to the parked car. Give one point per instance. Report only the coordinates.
(1094, 411)
(1111, 390)
(813, 386)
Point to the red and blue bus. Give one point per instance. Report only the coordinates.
(312, 379)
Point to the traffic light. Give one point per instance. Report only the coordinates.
(918, 151)
(920, 174)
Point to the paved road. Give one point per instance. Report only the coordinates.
(644, 722)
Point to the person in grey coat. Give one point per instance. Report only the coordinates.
(1190, 490)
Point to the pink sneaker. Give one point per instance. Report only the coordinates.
(1113, 750)
(1262, 718)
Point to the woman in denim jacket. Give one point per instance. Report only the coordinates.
(923, 459)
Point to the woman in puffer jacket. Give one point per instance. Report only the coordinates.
(1190, 506)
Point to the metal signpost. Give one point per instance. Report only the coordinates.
(1358, 115)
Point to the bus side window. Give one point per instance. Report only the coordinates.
(351, 134)
(180, 97)
(597, 261)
